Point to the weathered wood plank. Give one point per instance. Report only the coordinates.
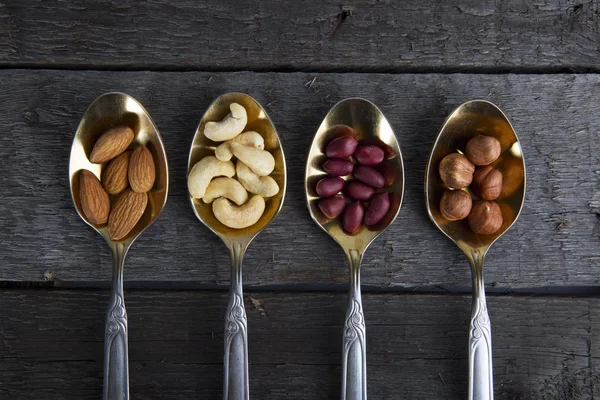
(51, 345)
(556, 241)
(368, 35)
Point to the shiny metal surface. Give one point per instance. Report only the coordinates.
(371, 126)
(109, 110)
(236, 385)
(468, 120)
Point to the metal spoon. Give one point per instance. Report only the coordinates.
(468, 120)
(372, 126)
(236, 381)
(108, 110)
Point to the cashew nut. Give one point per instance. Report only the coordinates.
(203, 172)
(250, 138)
(262, 185)
(226, 187)
(259, 161)
(239, 217)
(231, 126)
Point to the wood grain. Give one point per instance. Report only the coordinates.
(556, 241)
(543, 347)
(369, 35)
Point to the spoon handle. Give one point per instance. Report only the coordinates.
(354, 354)
(116, 358)
(481, 386)
(236, 385)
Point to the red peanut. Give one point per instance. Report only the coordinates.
(377, 209)
(338, 167)
(328, 187)
(352, 217)
(332, 206)
(369, 154)
(358, 190)
(369, 176)
(341, 147)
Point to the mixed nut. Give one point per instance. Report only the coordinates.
(362, 201)
(217, 180)
(127, 175)
(459, 171)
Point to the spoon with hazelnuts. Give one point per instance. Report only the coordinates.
(474, 192)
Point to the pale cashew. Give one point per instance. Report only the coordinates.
(263, 185)
(259, 161)
(250, 138)
(225, 187)
(203, 172)
(239, 217)
(231, 126)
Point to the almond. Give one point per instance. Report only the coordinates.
(114, 176)
(112, 143)
(94, 200)
(126, 212)
(141, 170)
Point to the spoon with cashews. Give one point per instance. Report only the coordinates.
(476, 154)
(236, 181)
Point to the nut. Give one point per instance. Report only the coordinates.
(333, 206)
(358, 190)
(204, 171)
(262, 185)
(352, 218)
(228, 188)
(377, 209)
(94, 200)
(141, 171)
(455, 204)
(456, 171)
(231, 126)
(250, 138)
(483, 150)
(126, 212)
(341, 147)
(114, 176)
(369, 154)
(487, 182)
(238, 217)
(338, 167)
(261, 162)
(485, 217)
(369, 176)
(331, 186)
(112, 143)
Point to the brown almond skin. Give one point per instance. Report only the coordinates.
(114, 176)
(112, 143)
(487, 182)
(141, 170)
(485, 217)
(126, 212)
(455, 205)
(94, 199)
(456, 171)
(483, 150)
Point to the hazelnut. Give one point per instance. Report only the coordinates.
(487, 182)
(455, 204)
(483, 150)
(456, 171)
(485, 217)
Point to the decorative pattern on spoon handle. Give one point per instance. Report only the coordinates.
(116, 359)
(480, 352)
(236, 381)
(354, 353)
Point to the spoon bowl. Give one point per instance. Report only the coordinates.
(236, 380)
(107, 111)
(371, 127)
(468, 120)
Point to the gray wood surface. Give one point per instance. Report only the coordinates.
(555, 242)
(416, 345)
(371, 35)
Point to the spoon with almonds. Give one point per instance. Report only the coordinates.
(129, 197)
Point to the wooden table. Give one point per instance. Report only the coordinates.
(417, 61)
